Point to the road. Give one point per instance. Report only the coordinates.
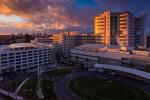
(63, 93)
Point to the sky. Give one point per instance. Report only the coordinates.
(55, 15)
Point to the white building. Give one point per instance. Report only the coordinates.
(96, 53)
(23, 56)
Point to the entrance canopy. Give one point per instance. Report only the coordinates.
(136, 72)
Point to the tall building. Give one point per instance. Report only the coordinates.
(120, 28)
(102, 27)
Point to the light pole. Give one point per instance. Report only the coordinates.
(39, 87)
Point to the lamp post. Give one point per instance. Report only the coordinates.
(39, 87)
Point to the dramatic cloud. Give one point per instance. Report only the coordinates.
(62, 14)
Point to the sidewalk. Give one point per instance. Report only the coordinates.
(11, 95)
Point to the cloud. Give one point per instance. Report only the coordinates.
(63, 14)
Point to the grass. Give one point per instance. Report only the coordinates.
(93, 88)
(29, 90)
(48, 90)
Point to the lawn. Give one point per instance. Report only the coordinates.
(94, 88)
(11, 84)
(29, 90)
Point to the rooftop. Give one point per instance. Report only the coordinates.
(112, 52)
(22, 46)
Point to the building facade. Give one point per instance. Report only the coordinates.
(24, 56)
(65, 41)
(69, 40)
(91, 54)
(120, 28)
(45, 40)
(88, 39)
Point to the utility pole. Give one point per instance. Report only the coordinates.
(39, 87)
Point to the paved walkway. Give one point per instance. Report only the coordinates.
(11, 95)
(19, 87)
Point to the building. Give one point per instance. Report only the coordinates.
(69, 40)
(44, 39)
(148, 41)
(120, 28)
(102, 27)
(88, 39)
(65, 41)
(95, 53)
(24, 56)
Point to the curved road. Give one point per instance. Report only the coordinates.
(63, 93)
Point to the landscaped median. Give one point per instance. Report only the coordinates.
(28, 90)
(94, 88)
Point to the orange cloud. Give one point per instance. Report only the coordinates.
(24, 25)
(4, 9)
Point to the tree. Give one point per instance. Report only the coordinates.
(99, 60)
(69, 57)
(87, 62)
(77, 58)
(27, 38)
(57, 56)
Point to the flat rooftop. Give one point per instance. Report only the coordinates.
(22, 46)
(113, 52)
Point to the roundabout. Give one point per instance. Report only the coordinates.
(95, 88)
(79, 84)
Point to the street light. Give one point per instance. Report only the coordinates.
(39, 87)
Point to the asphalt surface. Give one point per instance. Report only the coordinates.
(63, 93)
(61, 84)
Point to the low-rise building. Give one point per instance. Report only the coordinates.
(23, 56)
(45, 40)
(69, 40)
(65, 41)
(141, 52)
(95, 53)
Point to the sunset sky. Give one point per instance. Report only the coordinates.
(38, 15)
